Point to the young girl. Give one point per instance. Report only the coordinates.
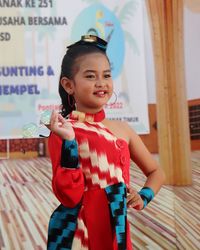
(91, 158)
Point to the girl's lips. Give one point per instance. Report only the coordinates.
(100, 93)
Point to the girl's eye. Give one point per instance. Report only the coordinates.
(107, 75)
(90, 76)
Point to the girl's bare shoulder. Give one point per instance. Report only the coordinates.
(120, 128)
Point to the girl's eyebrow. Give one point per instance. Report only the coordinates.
(94, 71)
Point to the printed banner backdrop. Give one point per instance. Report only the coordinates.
(33, 39)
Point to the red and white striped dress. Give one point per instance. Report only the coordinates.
(104, 160)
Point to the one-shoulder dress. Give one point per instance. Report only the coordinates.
(93, 210)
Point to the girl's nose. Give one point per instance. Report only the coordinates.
(99, 83)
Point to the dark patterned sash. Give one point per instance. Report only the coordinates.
(116, 195)
(62, 226)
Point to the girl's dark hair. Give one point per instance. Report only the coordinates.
(68, 69)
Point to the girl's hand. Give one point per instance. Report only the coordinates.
(61, 127)
(134, 200)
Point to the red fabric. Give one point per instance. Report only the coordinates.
(97, 217)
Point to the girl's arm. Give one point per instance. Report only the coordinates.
(68, 180)
(149, 166)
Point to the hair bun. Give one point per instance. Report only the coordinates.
(91, 40)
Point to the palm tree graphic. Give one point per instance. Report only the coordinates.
(124, 14)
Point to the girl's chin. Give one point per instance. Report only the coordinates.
(100, 100)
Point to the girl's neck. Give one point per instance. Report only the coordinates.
(88, 110)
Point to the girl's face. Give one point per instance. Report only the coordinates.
(92, 82)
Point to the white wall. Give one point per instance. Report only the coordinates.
(192, 53)
(151, 90)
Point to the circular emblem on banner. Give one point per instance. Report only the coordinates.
(100, 21)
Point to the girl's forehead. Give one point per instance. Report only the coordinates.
(92, 60)
(92, 56)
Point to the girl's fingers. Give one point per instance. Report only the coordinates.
(54, 120)
(134, 199)
(131, 190)
(136, 203)
(61, 127)
(61, 118)
(131, 193)
(53, 114)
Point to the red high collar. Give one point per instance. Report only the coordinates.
(87, 117)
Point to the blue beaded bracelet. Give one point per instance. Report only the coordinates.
(147, 194)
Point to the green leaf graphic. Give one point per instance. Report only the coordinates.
(127, 11)
(132, 42)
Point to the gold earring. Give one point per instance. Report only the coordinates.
(115, 99)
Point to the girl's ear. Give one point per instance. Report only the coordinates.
(68, 85)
